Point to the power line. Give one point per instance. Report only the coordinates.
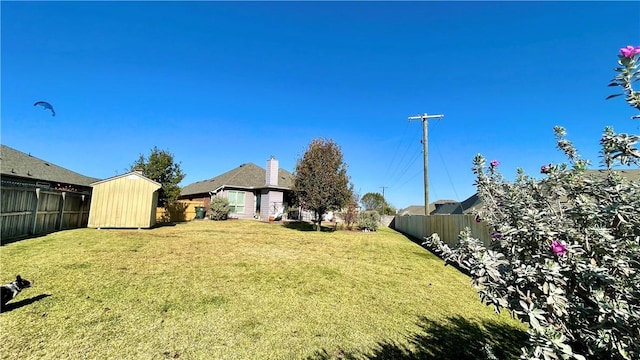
(400, 164)
(383, 200)
(405, 169)
(393, 158)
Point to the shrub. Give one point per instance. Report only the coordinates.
(368, 220)
(351, 215)
(219, 208)
(565, 255)
(176, 210)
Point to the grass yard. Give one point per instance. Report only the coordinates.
(242, 290)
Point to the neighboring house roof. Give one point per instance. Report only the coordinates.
(470, 204)
(419, 209)
(474, 202)
(412, 210)
(248, 176)
(448, 208)
(17, 164)
(128, 175)
(629, 174)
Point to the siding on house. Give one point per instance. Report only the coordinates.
(125, 201)
(249, 203)
(270, 202)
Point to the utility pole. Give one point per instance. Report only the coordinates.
(425, 149)
(383, 200)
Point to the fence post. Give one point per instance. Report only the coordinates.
(35, 212)
(60, 210)
(81, 210)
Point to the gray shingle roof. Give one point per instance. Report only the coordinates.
(248, 175)
(15, 163)
(447, 209)
(474, 201)
(412, 210)
(629, 174)
(419, 209)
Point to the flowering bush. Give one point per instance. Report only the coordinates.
(565, 251)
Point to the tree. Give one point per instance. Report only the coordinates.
(321, 181)
(161, 167)
(565, 250)
(373, 201)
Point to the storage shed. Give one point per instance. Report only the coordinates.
(124, 201)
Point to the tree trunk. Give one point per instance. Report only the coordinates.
(319, 221)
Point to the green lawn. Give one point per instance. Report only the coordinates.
(242, 290)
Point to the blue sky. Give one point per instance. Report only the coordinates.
(219, 84)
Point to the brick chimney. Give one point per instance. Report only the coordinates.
(272, 171)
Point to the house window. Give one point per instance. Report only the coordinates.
(236, 202)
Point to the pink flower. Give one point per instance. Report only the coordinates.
(630, 51)
(558, 248)
(495, 163)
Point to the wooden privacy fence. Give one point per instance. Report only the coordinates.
(189, 211)
(32, 211)
(448, 227)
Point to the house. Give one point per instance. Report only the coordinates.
(253, 192)
(39, 197)
(18, 169)
(124, 201)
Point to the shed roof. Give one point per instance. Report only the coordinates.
(247, 175)
(128, 175)
(15, 163)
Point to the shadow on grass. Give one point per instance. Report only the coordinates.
(165, 224)
(306, 226)
(18, 304)
(457, 338)
(25, 237)
(434, 252)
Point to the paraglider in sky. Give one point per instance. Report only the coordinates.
(46, 105)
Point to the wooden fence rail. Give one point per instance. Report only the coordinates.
(31, 211)
(448, 227)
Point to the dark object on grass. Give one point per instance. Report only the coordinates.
(9, 291)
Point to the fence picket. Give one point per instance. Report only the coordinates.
(448, 227)
(31, 211)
